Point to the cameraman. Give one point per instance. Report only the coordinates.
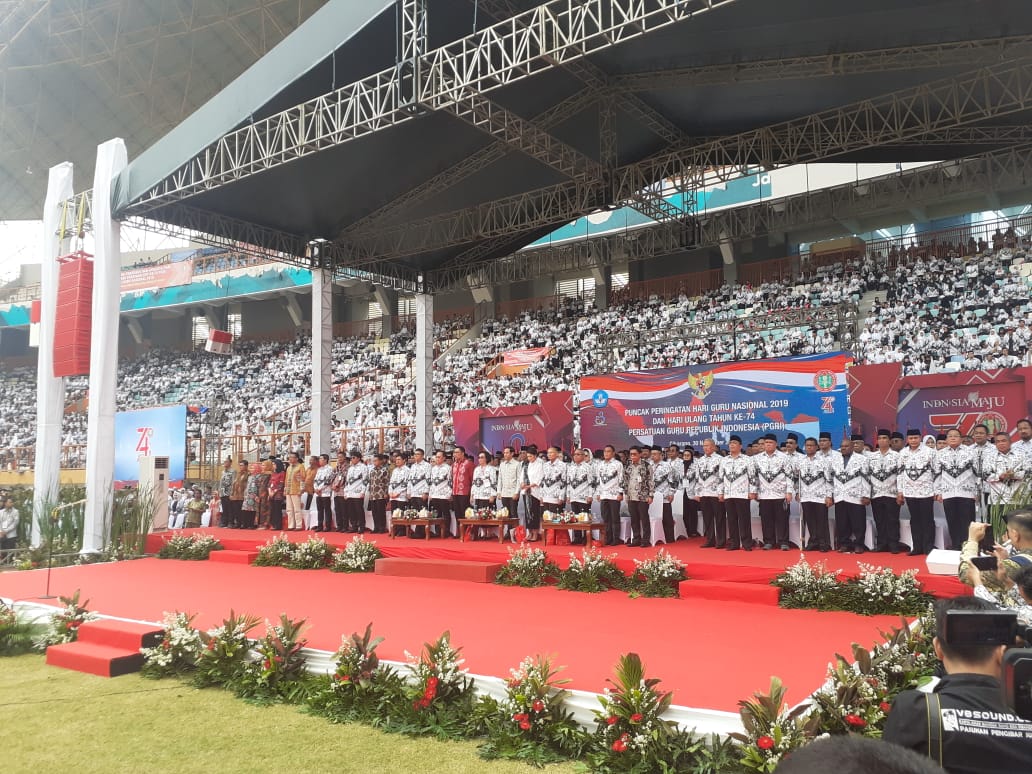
(963, 724)
(1012, 559)
(1016, 594)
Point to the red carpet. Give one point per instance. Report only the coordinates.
(710, 653)
(755, 566)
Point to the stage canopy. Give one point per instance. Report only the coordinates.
(425, 138)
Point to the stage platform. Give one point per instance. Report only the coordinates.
(710, 652)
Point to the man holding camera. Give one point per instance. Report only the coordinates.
(963, 723)
(1012, 559)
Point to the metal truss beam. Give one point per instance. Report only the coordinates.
(970, 53)
(474, 163)
(270, 244)
(598, 79)
(523, 135)
(1002, 89)
(412, 45)
(546, 36)
(1004, 170)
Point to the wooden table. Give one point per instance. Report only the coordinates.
(466, 524)
(408, 524)
(587, 527)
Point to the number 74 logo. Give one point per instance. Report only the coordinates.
(143, 441)
(828, 404)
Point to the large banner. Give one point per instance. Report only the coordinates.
(880, 396)
(686, 405)
(157, 432)
(160, 275)
(548, 422)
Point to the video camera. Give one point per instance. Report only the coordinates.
(992, 627)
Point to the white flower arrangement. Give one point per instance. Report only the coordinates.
(179, 649)
(359, 555)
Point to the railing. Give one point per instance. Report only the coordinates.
(20, 458)
(690, 285)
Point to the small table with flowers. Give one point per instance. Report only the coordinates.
(553, 525)
(466, 524)
(409, 524)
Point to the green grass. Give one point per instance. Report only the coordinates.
(70, 721)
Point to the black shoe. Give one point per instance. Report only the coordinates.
(694, 534)
(720, 545)
(916, 553)
(825, 549)
(731, 548)
(767, 546)
(894, 550)
(845, 550)
(708, 544)
(784, 546)
(859, 550)
(747, 548)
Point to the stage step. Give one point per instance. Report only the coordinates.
(121, 634)
(724, 591)
(233, 557)
(94, 659)
(446, 569)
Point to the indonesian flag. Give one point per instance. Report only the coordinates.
(516, 358)
(35, 315)
(219, 342)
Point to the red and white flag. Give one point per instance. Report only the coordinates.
(219, 342)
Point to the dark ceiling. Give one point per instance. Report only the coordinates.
(323, 194)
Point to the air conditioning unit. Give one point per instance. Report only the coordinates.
(154, 488)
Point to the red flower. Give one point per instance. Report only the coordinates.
(519, 716)
(69, 625)
(538, 705)
(431, 681)
(765, 743)
(266, 664)
(856, 721)
(611, 720)
(885, 706)
(636, 717)
(525, 725)
(278, 659)
(619, 745)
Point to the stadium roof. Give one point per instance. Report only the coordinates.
(74, 74)
(431, 153)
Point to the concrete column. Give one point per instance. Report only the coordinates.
(50, 390)
(388, 301)
(322, 360)
(424, 372)
(100, 428)
(603, 276)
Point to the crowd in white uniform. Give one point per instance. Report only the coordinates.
(636, 495)
(936, 313)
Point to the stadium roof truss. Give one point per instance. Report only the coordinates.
(446, 150)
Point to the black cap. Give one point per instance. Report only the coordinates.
(825, 434)
(896, 434)
(735, 438)
(940, 437)
(913, 431)
(770, 437)
(856, 437)
(883, 432)
(792, 437)
(355, 454)
(657, 448)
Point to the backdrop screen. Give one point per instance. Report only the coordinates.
(803, 394)
(158, 432)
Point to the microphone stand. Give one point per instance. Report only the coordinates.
(50, 558)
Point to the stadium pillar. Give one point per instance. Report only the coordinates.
(424, 372)
(388, 301)
(322, 361)
(100, 426)
(603, 276)
(50, 390)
